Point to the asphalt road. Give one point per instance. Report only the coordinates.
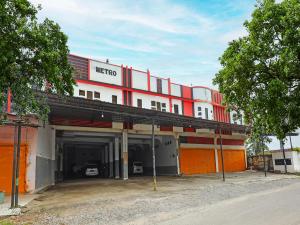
(275, 207)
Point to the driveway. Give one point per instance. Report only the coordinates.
(277, 207)
(178, 200)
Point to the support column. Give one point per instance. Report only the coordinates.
(177, 153)
(125, 154)
(117, 161)
(222, 156)
(106, 159)
(216, 154)
(153, 157)
(111, 159)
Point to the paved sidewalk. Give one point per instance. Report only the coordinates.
(276, 207)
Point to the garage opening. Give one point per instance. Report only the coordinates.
(140, 161)
(87, 155)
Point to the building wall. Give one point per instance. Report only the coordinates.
(176, 90)
(139, 80)
(112, 75)
(293, 155)
(105, 92)
(106, 73)
(146, 100)
(45, 157)
(202, 93)
(166, 156)
(204, 105)
(179, 103)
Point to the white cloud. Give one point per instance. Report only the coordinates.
(165, 36)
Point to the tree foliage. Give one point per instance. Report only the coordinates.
(255, 146)
(33, 55)
(260, 72)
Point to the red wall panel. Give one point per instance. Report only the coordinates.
(200, 140)
(231, 142)
(80, 122)
(186, 92)
(187, 108)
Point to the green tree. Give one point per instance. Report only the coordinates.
(255, 146)
(260, 72)
(33, 55)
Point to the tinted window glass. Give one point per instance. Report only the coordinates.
(114, 99)
(89, 95)
(81, 93)
(176, 109)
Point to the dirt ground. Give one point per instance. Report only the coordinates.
(98, 201)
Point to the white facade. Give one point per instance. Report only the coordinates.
(105, 92)
(165, 88)
(139, 80)
(203, 94)
(146, 100)
(179, 103)
(176, 90)
(292, 156)
(153, 84)
(106, 73)
(202, 113)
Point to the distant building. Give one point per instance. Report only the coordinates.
(292, 161)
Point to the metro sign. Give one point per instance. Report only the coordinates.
(106, 71)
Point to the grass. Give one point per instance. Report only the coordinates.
(6, 222)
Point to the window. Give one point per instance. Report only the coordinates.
(206, 113)
(199, 111)
(96, 95)
(139, 103)
(234, 118)
(163, 107)
(159, 86)
(81, 93)
(114, 99)
(280, 162)
(89, 95)
(158, 104)
(125, 97)
(176, 109)
(153, 105)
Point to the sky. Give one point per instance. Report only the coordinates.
(181, 40)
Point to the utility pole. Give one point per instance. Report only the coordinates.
(13, 182)
(263, 150)
(283, 153)
(153, 157)
(16, 164)
(222, 156)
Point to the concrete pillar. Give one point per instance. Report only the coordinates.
(106, 159)
(125, 154)
(216, 154)
(177, 140)
(117, 161)
(111, 159)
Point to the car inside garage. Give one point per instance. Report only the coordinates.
(140, 158)
(85, 155)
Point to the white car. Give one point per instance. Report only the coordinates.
(91, 170)
(138, 168)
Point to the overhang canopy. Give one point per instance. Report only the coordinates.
(94, 110)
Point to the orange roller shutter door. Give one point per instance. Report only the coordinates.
(197, 161)
(234, 160)
(6, 161)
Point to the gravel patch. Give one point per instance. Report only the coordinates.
(134, 201)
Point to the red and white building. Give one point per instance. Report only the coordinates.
(127, 86)
(74, 137)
